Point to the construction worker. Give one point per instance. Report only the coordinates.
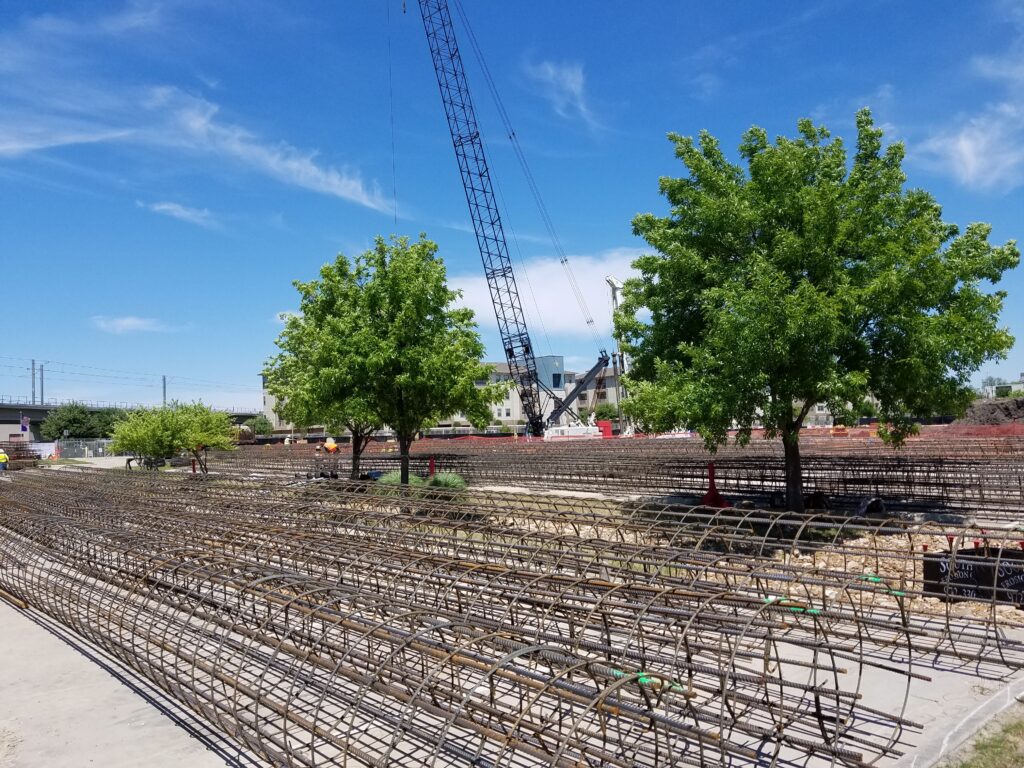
(331, 448)
(4, 460)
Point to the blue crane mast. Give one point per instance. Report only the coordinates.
(483, 210)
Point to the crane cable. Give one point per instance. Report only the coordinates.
(531, 181)
(391, 104)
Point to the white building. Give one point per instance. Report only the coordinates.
(509, 412)
(1009, 389)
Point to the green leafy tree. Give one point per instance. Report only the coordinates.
(804, 278)
(315, 377)
(378, 341)
(602, 412)
(260, 425)
(79, 421)
(73, 417)
(103, 421)
(159, 433)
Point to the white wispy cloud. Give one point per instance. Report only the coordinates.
(54, 96)
(192, 122)
(129, 324)
(564, 85)
(26, 138)
(199, 216)
(986, 150)
(546, 296)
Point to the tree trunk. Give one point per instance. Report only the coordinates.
(794, 475)
(200, 459)
(357, 452)
(403, 447)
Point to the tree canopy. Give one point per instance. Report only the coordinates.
(162, 432)
(802, 278)
(260, 425)
(602, 412)
(79, 422)
(378, 341)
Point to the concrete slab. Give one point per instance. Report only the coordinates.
(954, 713)
(64, 704)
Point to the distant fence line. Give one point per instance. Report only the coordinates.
(76, 449)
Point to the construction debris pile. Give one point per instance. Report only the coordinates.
(333, 623)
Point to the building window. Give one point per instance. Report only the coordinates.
(602, 395)
(822, 408)
(508, 413)
(556, 380)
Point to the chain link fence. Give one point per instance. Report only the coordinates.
(76, 449)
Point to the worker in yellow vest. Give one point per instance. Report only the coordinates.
(4, 460)
(331, 449)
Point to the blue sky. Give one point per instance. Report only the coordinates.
(168, 168)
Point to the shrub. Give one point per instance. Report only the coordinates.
(395, 478)
(390, 484)
(447, 480)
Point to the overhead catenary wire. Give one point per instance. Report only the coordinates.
(126, 376)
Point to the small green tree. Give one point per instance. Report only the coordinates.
(315, 377)
(73, 417)
(159, 433)
(804, 279)
(259, 424)
(378, 341)
(605, 412)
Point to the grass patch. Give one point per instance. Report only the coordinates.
(1002, 749)
(447, 480)
(395, 478)
(390, 484)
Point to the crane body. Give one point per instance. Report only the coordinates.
(487, 226)
(483, 208)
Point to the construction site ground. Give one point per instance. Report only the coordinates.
(66, 704)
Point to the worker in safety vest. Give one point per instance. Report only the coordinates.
(4, 460)
(331, 448)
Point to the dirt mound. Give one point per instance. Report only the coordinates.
(1003, 410)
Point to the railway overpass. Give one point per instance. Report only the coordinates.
(12, 409)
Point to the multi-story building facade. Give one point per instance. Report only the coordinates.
(509, 412)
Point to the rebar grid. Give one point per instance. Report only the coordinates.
(323, 623)
(970, 477)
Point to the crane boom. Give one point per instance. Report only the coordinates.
(483, 208)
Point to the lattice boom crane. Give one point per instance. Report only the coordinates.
(483, 210)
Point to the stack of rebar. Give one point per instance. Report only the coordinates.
(330, 623)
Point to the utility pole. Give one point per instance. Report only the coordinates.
(619, 365)
(33, 382)
(165, 390)
(42, 386)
